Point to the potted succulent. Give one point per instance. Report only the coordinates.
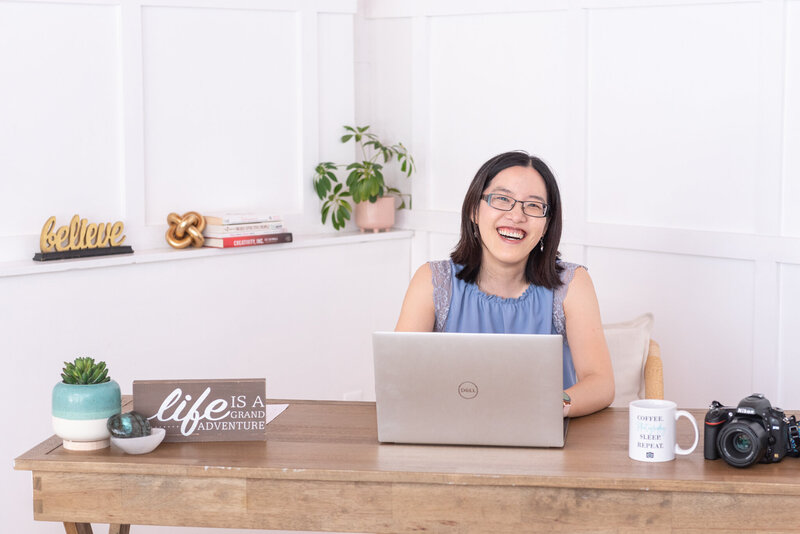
(375, 201)
(82, 403)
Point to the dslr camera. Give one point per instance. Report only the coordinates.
(751, 432)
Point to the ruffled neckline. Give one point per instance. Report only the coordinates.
(503, 300)
(473, 288)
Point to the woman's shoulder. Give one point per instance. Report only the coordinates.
(434, 274)
(440, 266)
(417, 312)
(423, 274)
(567, 272)
(578, 287)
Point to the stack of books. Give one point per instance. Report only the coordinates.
(244, 230)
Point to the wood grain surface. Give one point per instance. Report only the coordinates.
(322, 468)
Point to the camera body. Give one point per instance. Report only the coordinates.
(751, 432)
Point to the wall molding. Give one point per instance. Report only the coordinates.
(723, 245)
(437, 8)
(319, 6)
(26, 268)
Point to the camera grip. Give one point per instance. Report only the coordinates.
(710, 441)
(690, 417)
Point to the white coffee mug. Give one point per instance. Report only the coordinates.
(651, 433)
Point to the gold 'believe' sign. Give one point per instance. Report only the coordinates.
(79, 235)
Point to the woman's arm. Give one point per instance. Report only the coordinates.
(595, 387)
(417, 313)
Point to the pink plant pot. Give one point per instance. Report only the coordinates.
(375, 216)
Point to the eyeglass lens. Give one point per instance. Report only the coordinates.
(506, 203)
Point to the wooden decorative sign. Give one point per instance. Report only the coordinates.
(204, 410)
(80, 240)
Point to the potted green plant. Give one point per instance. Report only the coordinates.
(82, 403)
(365, 183)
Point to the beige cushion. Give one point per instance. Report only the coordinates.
(628, 344)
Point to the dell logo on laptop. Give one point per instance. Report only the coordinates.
(468, 390)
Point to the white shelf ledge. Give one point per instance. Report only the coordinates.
(30, 267)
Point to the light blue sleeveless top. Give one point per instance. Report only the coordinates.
(462, 307)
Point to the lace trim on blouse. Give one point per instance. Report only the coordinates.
(442, 292)
(559, 321)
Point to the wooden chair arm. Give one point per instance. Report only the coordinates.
(653, 373)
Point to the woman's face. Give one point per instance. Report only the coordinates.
(508, 237)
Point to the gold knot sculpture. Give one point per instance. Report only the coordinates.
(186, 230)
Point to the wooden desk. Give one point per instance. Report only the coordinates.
(322, 469)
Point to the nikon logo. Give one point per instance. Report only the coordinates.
(749, 411)
(468, 390)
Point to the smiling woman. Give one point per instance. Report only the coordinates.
(505, 276)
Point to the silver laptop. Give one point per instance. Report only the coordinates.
(469, 389)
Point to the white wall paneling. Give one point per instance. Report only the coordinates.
(670, 126)
(60, 101)
(673, 122)
(766, 317)
(420, 74)
(129, 110)
(336, 83)
(791, 124)
(309, 132)
(221, 123)
(693, 295)
(490, 99)
(386, 91)
(442, 244)
(771, 77)
(789, 335)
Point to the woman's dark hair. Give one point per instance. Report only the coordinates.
(541, 268)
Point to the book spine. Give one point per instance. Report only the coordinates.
(246, 218)
(261, 231)
(231, 230)
(249, 240)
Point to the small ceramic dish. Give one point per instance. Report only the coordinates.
(141, 445)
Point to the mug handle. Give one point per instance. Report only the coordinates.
(690, 417)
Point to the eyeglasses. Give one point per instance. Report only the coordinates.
(531, 208)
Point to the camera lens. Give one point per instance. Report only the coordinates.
(742, 443)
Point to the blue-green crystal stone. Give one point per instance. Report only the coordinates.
(128, 425)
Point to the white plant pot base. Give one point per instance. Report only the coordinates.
(82, 435)
(85, 445)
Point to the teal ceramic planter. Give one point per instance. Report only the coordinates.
(80, 413)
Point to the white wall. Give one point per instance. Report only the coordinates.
(292, 316)
(669, 123)
(670, 126)
(131, 110)
(128, 110)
